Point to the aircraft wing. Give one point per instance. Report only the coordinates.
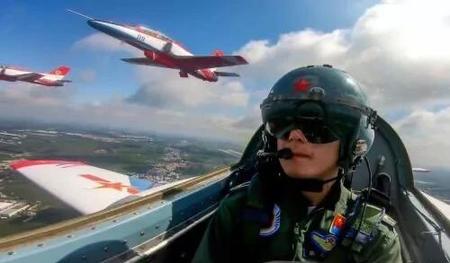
(421, 170)
(443, 207)
(144, 61)
(201, 62)
(86, 188)
(29, 76)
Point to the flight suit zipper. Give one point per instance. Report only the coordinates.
(300, 230)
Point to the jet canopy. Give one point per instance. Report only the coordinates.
(153, 33)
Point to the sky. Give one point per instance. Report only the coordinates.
(397, 49)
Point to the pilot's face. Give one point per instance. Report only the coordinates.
(310, 160)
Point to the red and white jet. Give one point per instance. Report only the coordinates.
(54, 78)
(162, 51)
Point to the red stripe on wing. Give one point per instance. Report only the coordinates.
(16, 165)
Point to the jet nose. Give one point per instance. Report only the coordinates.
(105, 27)
(109, 28)
(112, 29)
(96, 24)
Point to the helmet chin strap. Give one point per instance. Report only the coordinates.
(310, 184)
(305, 184)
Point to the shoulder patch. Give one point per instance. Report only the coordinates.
(274, 223)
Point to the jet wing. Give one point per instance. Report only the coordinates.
(29, 76)
(443, 207)
(144, 61)
(202, 62)
(86, 188)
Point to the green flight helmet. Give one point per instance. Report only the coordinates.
(329, 96)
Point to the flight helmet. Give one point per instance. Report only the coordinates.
(327, 104)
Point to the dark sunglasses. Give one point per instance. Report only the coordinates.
(315, 131)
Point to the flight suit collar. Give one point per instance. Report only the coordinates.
(318, 225)
(297, 205)
(259, 197)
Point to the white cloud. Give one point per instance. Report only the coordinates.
(30, 105)
(255, 51)
(87, 75)
(249, 121)
(425, 135)
(231, 94)
(292, 50)
(397, 49)
(103, 42)
(163, 88)
(18, 95)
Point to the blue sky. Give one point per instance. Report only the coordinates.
(41, 35)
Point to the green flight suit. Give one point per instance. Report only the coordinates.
(227, 236)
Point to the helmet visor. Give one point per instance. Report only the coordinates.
(315, 131)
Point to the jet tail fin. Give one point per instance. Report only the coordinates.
(60, 71)
(226, 74)
(218, 53)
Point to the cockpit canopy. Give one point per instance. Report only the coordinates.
(151, 32)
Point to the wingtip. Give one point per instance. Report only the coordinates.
(241, 59)
(18, 164)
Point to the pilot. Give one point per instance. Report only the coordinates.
(317, 129)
